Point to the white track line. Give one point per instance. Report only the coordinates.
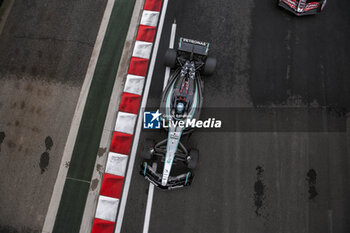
(171, 46)
(125, 193)
(148, 208)
(151, 186)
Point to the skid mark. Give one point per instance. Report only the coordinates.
(311, 178)
(2, 138)
(259, 190)
(45, 156)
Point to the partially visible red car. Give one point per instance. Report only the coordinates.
(303, 7)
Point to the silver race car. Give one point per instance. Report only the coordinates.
(181, 103)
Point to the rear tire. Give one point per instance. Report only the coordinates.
(322, 6)
(278, 3)
(147, 150)
(170, 58)
(209, 66)
(192, 159)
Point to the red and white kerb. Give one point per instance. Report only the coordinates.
(111, 189)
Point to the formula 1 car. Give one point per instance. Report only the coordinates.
(303, 7)
(181, 101)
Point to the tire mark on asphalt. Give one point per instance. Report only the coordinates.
(94, 184)
(48, 143)
(99, 169)
(101, 151)
(45, 157)
(2, 137)
(259, 190)
(311, 178)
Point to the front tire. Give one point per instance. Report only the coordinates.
(192, 159)
(322, 5)
(148, 148)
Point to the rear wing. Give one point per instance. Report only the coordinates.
(193, 46)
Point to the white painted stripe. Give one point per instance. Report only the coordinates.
(142, 49)
(120, 217)
(68, 149)
(149, 204)
(151, 186)
(149, 18)
(116, 164)
(134, 84)
(171, 46)
(148, 208)
(107, 208)
(125, 122)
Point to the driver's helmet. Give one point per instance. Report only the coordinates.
(180, 107)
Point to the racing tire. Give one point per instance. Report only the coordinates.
(170, 58)
(322, 5)
(209, 66)
(278, 3)
(147, 150)
(192, 158)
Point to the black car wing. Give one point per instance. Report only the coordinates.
(194, 46)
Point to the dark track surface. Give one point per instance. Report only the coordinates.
(45, 49)
(42, 38)
(259, 181)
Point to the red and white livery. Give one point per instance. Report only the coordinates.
(303, 7)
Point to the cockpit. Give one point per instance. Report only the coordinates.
(184, 89)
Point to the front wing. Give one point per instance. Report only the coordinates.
(292, 7)
(173, 181)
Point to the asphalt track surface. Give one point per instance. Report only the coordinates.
(259, 180)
